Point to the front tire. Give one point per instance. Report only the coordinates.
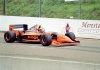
(45, 39)
(71, 35)
(9, 36)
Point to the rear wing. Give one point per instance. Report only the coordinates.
(15, 26)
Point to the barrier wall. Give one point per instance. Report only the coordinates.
(81, 28)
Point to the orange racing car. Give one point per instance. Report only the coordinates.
(38, 34)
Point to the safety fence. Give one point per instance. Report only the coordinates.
(77, 9)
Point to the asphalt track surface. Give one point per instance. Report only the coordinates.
(88, 51)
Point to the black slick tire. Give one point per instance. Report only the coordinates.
(45, 39)
(71, 35)
(9, 36)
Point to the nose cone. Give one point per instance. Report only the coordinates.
(62, 38)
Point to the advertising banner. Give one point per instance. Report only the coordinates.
(81, 28)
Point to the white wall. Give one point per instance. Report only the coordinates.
(81, 28)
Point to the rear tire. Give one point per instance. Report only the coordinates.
(71, 35)
(45, 39)
(9, 36)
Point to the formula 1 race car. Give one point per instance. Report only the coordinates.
(45, 38)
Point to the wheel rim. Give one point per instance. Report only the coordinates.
(7, 37)
(43, 39)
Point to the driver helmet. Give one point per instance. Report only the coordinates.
(38, 26)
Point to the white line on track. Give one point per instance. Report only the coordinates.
(49, 60)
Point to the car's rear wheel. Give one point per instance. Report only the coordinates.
(45, 39)
(9, 36)
(71, 35)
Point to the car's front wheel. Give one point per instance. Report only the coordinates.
(71, 35)
(45, 39)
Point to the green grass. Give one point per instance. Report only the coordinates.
(22, 9)
(53, 8)
(62, 11)
(91, 11)
(1, 7)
